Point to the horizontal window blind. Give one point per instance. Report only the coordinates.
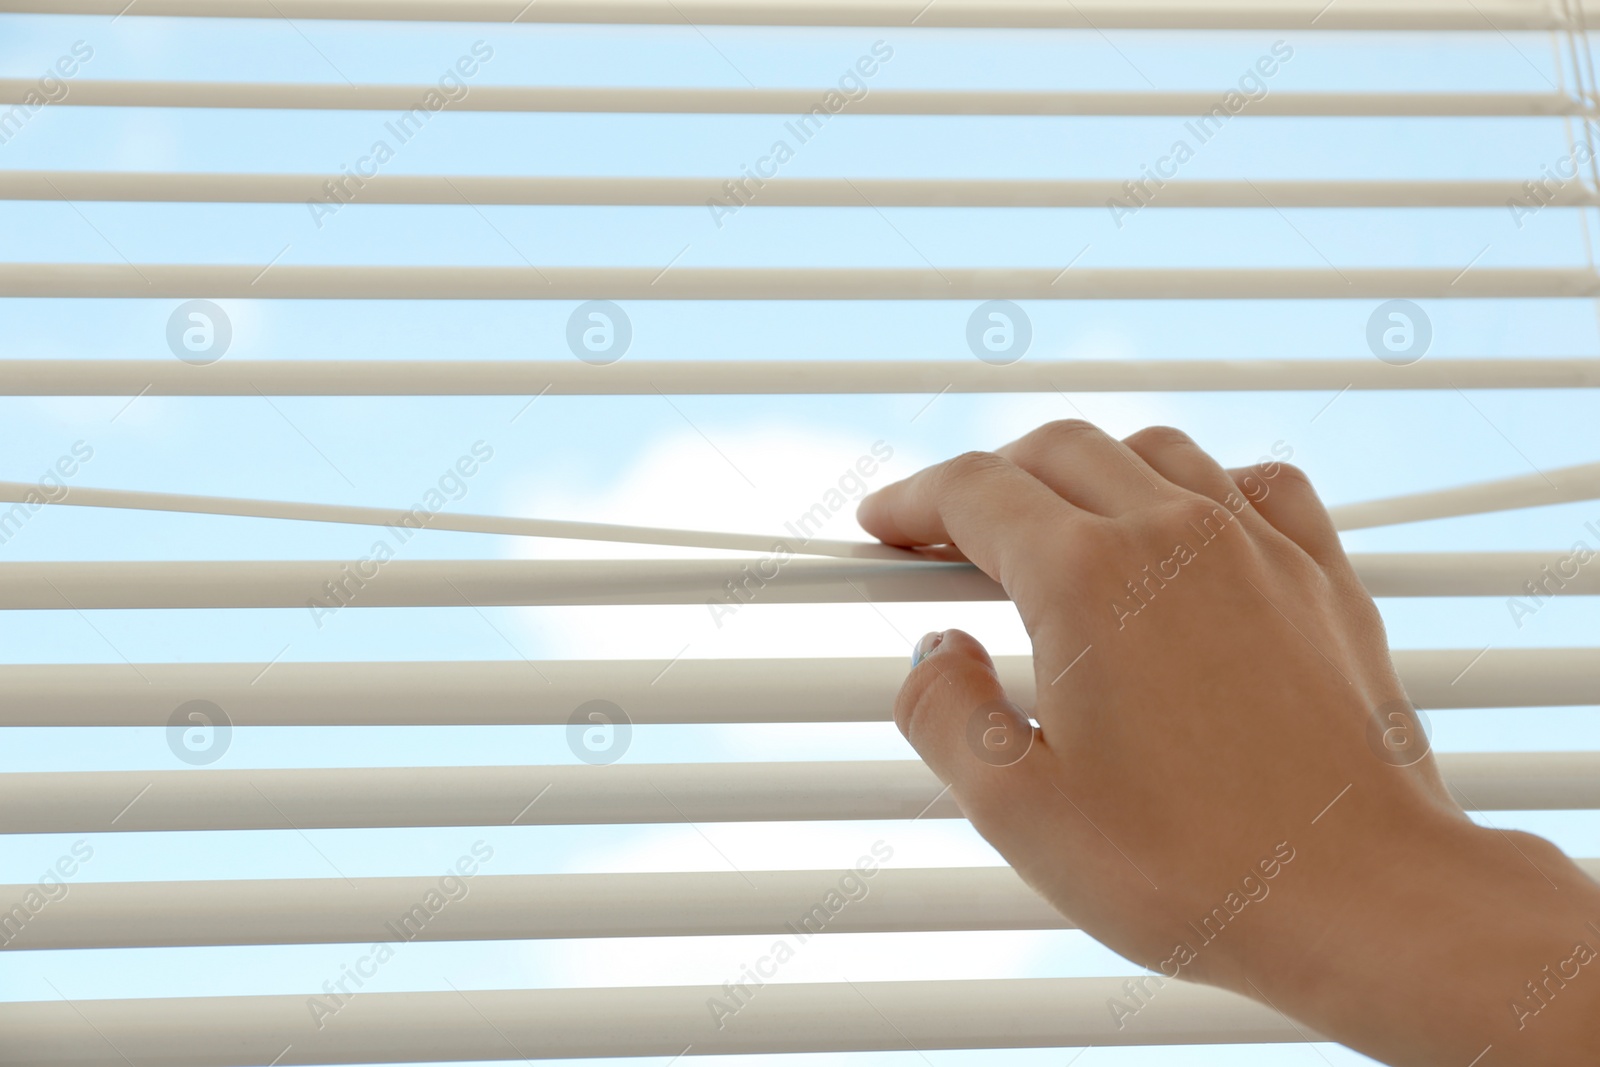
(97, 791)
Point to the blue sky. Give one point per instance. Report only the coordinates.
(713, 462)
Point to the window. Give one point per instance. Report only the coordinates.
(421, 783)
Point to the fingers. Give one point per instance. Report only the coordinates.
(1284, 497)
(1087, 467)
(1002, 518)
(954, 711)
(1174, 455)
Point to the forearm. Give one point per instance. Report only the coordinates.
(1469, 946)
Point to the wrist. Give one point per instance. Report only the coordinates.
(1446, 935)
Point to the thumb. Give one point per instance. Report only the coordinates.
(954, 711)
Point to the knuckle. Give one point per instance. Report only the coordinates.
(1293, 561)
(1289, 475)
(1354, 599)
(1062, 431)
(1193, 511)
(972, 467)
(1161, 437)
(1049, 440)
(1069, 426)
(1193, 520)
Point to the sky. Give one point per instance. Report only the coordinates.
(744, 463)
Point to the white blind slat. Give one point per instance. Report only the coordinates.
(506, 692)
(344, 96)
(676, 904)
(190, 187)
(326, 911)
(671, 282)
(1556, 486)
(521, 583)
(1484, 16)
(621, 793)
(487, 1025)
(415, 377)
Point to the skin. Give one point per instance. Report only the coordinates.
(1246, 711)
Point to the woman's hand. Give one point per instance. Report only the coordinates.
(1226, 782)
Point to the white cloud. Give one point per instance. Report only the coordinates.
(751, 482)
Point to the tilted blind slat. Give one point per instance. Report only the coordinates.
(334, 584)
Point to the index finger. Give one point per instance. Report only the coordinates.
(1000, 516)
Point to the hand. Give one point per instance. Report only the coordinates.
(1226, 782)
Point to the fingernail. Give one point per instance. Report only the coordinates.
(926, 647)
